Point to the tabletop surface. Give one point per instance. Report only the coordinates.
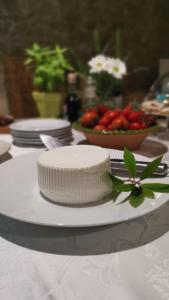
(127, 261)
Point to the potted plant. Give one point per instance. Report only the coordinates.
(48, 67)
(103, 72)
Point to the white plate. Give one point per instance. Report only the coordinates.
(34, 125)
(4, 147)
(38, 141)
(21, 199)
(36, 134)
(64, 135)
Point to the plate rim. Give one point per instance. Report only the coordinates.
(95, 224)
(14, 126)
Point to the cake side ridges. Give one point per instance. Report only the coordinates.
(68, 187)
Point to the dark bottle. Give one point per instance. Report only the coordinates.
(72, 101)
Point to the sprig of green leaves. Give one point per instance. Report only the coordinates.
(138, 190)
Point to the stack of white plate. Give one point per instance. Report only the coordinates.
(27, 132)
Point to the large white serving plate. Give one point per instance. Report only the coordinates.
(34, 125)
(20, 199)
(4, 147)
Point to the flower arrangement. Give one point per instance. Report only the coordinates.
(108, 73)
(112, 66)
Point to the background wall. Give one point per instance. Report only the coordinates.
(143, 23)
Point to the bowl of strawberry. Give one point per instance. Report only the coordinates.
(115, 128)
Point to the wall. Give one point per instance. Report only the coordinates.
(143, 23)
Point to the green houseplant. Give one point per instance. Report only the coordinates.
(48, 68)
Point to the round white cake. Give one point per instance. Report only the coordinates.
(74, 174)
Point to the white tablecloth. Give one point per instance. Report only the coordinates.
(127, 261)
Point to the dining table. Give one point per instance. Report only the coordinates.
(128, 260)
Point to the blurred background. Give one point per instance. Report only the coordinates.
(144, 41)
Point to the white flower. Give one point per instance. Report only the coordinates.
(116, 67)
(97, 64)
(113, 66)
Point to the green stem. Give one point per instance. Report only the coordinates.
(118, 43)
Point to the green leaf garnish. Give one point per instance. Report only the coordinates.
(136, 197)
(115, 179)
(148, 193)
(130, 162)
(138, 191)
(124, 187)
(157, 187)
(136, 201)
(150, 168)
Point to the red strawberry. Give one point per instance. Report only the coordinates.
(115, 124)
(124, 121)
(91, 109)
(112, 114)
(102, 109)
(142, 125)
(104, 121)
(134, 125)
(127, 110)
(89, 119)
(136, 116)
(99, 127)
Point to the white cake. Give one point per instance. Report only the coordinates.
(74, 174)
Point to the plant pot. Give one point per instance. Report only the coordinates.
(49, 105)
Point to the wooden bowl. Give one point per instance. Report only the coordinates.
(117, 139)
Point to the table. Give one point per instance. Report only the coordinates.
(127, 261)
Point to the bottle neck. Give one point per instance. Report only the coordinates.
(72, 88)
